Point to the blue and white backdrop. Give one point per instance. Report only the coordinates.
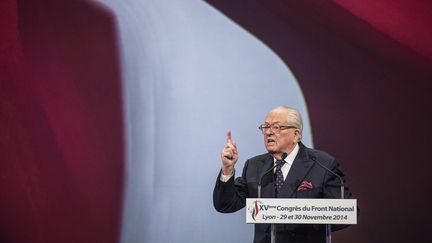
(190, 74)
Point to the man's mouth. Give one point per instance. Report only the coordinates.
(270, 141)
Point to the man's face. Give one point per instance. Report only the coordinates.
(285, 140)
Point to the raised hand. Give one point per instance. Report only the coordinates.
(229, 155)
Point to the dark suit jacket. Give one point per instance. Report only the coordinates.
(231, 196)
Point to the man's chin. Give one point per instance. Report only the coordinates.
(271, 150)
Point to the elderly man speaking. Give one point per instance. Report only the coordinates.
(296, 175)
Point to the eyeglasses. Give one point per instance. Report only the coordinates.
(274, 128)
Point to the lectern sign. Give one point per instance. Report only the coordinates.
(301, 211)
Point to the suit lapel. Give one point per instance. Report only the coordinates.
(299, 169)
(267, 188)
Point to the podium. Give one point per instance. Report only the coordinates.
(301, 211)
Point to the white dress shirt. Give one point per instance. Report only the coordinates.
(289, 161)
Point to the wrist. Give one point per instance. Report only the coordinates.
(229, 170)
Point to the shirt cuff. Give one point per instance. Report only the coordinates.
(225, 178)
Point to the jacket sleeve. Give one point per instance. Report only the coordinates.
(332, 184)
(231, 196)
(332, 188)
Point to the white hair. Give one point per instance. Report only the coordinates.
(293, 117)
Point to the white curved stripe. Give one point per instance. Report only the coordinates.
(189, 75)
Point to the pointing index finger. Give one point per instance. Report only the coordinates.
(231, 142)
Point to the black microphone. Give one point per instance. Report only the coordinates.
(342, 187)
(284, 155)
(313, 158)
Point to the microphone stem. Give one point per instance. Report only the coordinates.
(342, 190)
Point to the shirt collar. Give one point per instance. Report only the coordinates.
(291, 156)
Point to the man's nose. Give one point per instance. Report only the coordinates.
(268, 131)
